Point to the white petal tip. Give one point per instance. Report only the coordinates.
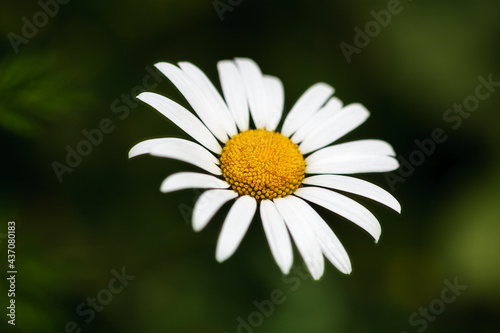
(223, 62)
(285, 271)
(360, 107)
(376, 235)
(316, 270)
(198, 222)
(135, 152)
(326, 86)
(396, 163)
(344, 267)
(162, 63)
(347, 269)
(221, 257)
(164, 189)
(167, 186)
(285, 268)
(143, 147)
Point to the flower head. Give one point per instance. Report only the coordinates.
(262, 164)
(278, 169)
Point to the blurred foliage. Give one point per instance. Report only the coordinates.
(108, 213)
(35, 90)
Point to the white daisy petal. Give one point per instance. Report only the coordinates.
(184, 119)
(352, 148)
(334, 128)
(355, 186)
(350, 164)
(353, 157)
(277, 235)
(308, 104)
(344, 207)
(255, 90)
(276, 98)
(235, 226)
(331, 107)
(186, 151)
(331, 246)
(208, 204)
(144, 147)
(195, 97)
(185, 180)
(212, 96)
(234, 93)
(290, 208)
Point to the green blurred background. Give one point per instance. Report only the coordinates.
(108, 213)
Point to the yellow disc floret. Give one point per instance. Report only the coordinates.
(263, 164)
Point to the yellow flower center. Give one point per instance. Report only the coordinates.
(262, 164)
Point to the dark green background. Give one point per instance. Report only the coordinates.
(108, 212)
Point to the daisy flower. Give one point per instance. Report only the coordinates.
(252, 157)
